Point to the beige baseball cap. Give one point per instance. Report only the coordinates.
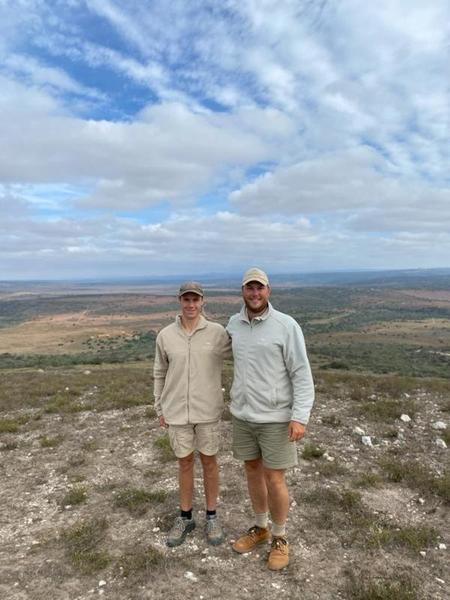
(255, 274)
(191, 286)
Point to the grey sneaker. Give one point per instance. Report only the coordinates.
(179, 531)
(214, 532)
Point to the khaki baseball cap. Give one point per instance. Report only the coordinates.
(255, 274)
(191, 286)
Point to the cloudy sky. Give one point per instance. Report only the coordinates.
(150, 137)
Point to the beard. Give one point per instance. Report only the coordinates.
(256, 311)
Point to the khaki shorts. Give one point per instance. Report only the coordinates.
(204, 437)
(268, 441)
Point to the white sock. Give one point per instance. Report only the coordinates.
(262, 519)
(279, 530)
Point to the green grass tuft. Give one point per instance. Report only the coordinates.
(81, 544)
(163, 445)
(311, 451)
(51, 442)
(137, 501)
(77, 495)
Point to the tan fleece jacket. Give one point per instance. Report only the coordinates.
(188, 372)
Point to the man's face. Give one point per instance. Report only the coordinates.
(191, 305)
(256, 296)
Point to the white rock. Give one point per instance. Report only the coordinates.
(405, 418)
(87, 372)
(373, 396)
(407, 395)
(440, 443)
(421, 501)
(101, 583)
(439, 425)
(442, 547)
(156, 529)
(277, 586)
(359, 431)
(329, 458)
(189, 575)
(422, 553)
(67, 389)
(440, 580)
(366, 440)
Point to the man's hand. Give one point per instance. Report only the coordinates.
(296, 431)
(162, 422)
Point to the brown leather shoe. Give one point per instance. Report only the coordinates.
(254, 536)
(279, 554)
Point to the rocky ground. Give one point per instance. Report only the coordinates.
(86, 498)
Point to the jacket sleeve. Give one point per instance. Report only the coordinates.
(226, 345)
(297, 365)
(160, 367)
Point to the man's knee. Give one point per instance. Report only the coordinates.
(208, 462)
(186, 463)
(275, 478)
(252, 466)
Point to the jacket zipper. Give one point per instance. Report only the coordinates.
(189, 375)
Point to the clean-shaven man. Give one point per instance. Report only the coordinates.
(271, 400)
(189, 402)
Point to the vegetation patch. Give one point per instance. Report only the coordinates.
(385, 409)
(51, 442)
(311, 451)
(415, 476)
(137, 501)
(331, 468)
(9, 426)
(77, 495)
(366, 587)
(368, 480)
(414, 537)
(82, 543)
(140, 561)
(165, 450)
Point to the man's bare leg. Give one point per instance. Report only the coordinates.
(210, 480)
(186, 481)
(278, 494)
(257, 486)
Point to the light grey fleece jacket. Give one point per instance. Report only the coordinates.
(272, 377)
(188, 372)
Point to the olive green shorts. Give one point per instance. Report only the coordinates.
(268, 441)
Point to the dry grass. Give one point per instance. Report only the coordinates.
(82, 543)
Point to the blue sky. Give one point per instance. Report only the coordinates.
(154, 137)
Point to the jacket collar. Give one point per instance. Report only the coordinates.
(244, 316)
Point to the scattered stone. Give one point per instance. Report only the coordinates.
(156, 529)
(101, 583)
(190, 575)
(367, 441)
(440, 443)
(442, 547)
(423, 553)
(407, 395)
(359, 431)
(87, 372)
(439, 425)
(405, 418)
(277, 586)
(421, 501)
(440, 580)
